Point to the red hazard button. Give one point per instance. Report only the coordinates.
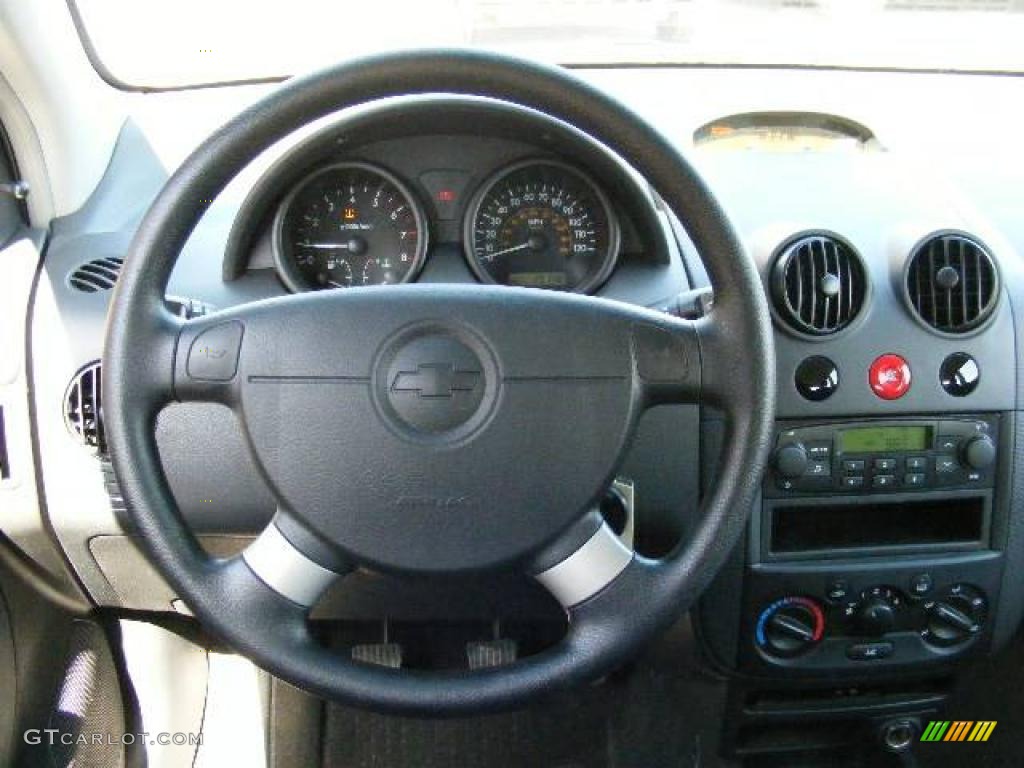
(889, 377)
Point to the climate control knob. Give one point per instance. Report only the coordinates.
(979, 452)
(790, 626)
(956, 616)
(791, 460)
(877, 611)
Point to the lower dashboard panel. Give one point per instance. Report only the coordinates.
(866, 617)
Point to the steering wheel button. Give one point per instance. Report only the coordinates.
(213, 355)
(889, 377)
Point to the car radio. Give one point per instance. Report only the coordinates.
(884, 456)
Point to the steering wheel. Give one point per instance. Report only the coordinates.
(527, 404)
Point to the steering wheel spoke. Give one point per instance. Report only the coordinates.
(582, 562)
(292, 562)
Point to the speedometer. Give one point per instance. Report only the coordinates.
(347, 225)
(541, 224)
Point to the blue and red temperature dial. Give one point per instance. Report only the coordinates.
(790, 626)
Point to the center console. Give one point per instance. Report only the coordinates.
(872, 545)
(874, 563)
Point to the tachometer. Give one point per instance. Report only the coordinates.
(541, 224)
(347, 225)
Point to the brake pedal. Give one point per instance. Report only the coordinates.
(381, 654)
(484, 654)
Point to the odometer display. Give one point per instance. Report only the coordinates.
(541, 224)
(348, 225)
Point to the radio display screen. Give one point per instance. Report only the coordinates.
(885, 439)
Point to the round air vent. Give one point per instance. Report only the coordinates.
(952, 283)
(818, 284)
(83, 408)
(96, 275)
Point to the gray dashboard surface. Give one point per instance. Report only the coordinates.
(876, 200)
(204, 449)
(883, 209)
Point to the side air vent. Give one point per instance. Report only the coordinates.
(818, 284)
(96, 275)
(83, 408)
(952, 283)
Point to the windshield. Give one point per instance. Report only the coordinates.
(192, 42)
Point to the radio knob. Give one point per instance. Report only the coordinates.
(791, 460)
(979, 452)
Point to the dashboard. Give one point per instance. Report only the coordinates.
(887, 540)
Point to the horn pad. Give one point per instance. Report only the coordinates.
(425, 444)
(436, 384)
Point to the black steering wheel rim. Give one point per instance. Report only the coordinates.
(140, 372)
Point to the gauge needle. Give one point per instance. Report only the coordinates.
(336, 285)
(513, 249)
(326, 246)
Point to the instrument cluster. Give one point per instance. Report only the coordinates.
(537, 223)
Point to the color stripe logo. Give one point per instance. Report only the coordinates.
(958, 730)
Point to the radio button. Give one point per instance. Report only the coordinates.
(883, 481)
(914, 479)
(853, 481)
(818, 469)
(853, 466)
(945, 465)
(916, 463)
(947, 443)
(819, 451)
(885, 465)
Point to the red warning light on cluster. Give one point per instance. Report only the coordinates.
(446, 195)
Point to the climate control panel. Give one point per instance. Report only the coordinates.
(817, 620)
(793, 625)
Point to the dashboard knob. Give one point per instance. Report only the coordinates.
(955, 617)
(817, 378)
(876, 617)
(959, 374)
(876, 611)
(979, 452)
(791, 460)
(790, 626)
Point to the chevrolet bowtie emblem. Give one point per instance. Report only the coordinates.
(435, 380)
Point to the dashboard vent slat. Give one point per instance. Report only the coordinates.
(96, 275)
(83, 408)
(819, 284)
(952, 283)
